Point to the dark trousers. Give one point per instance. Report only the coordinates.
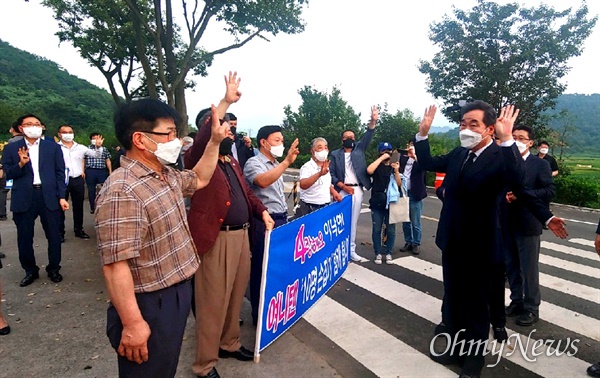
(522, 269)
(25, 222)
(307, 208)
(496, 296)
(256, 262)
(166, 312)
(94, 177)
(3, 195)
(76, 189)
(466, 295)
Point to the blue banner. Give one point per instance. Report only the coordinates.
(303, 260)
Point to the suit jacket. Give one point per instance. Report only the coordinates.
(470, 219)
(337, 165)
(538, 183)
(210, 204)
(52, 174)
(244, 153)
(418, 191)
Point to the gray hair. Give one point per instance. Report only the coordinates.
(316, 140)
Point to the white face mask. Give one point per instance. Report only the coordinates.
(469, 138)
(544, 150)
(93, 142)
(521, 146)
(321, 155)
(167, 153)
(33, 132)
(277, 151)
(68, 137)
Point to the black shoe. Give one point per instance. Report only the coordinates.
(407, 248)
(3, 217)
(415, 250)
(527, 319)
(500, 334)
(55, 277)
(211, 374)
(514, 309)
(594, 370)
(2, 255)
(29, 278)
(440, 328)
(242, 354)
(91, 211)
(6, 330)
(81, 234)
(241, 321)
(62, 238)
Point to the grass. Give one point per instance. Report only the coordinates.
(585, 166)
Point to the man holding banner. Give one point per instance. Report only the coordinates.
(264, 174)
(220, 217)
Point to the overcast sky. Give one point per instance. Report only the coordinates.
(370, 50)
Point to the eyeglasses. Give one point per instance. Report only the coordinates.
(31, 124)
(170, 134)
(522, 139)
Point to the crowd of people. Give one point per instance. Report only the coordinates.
(180, 224)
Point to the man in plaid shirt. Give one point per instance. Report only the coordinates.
(97, 170)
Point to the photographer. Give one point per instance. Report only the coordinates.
(242, 148)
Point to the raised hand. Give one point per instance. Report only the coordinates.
(427, 120)
(218, 131)
(505, 122)
(99, 141)
(292, 152)
(324, 168)
(23, 156)
(374, 116)
(232, 83)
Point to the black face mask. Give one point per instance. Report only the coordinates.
(348, 143)
(233, 130)
(225, 147)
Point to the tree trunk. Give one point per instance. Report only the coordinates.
(181, 107)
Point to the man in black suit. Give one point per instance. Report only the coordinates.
(37, 169)
(522, 258)
(242, 148)
(415, 182)
(469, 225)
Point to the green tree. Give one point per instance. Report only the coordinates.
(321, 114)
(138, 46)
(505, 54)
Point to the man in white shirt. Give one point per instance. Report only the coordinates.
(74, 154)
(315, 180)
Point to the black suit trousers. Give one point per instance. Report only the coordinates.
(75, 189)
(25, 222)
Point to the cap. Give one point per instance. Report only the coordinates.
(383, 146)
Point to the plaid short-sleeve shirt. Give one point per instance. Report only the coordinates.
(97, 162)
(141, 218)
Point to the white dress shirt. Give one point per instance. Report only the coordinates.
(74, 157)
(34, 158)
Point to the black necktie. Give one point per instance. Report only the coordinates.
(469, 163)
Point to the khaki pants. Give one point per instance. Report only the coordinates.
(220, 284)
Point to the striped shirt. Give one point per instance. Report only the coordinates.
(97, 162)
(141, 218)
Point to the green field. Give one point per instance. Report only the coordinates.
(585, 166)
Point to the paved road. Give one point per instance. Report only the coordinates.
(377, 321)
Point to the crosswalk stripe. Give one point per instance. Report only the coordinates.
(570, 266)
(571, 288)
(429, 308)
(342, 326)
(589, 243)
(570, 250)
(578, 221)
(560, 316)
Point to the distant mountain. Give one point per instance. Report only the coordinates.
(32, 84)
(441, 129)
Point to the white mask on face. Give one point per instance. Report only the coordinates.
(277, 151)
(544, 150)
(321, 155)
(167, 153)
(469, 138)
(68, 137)
(93, 142)
(521, 146)
(33, 132)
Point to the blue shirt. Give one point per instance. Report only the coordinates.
(272, 196)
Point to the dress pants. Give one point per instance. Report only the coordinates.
(166, 312)
(25, 222)
(357, 199)
(220, 283)
(256, 262)
(522, 269)
(76, 189)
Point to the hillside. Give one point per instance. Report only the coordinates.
(32, 84)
